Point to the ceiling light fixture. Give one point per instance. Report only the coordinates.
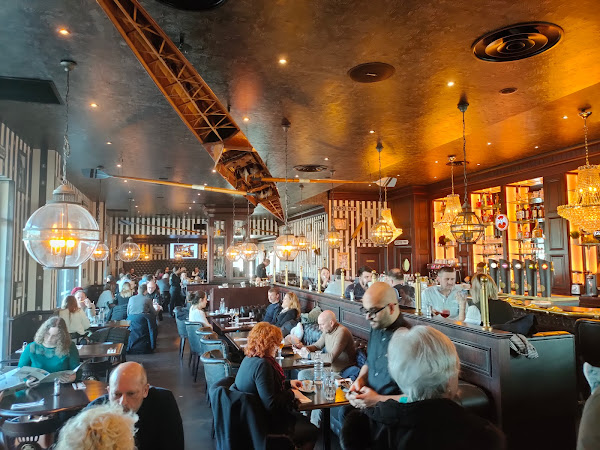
(62, 234)
(565, 117)
(129, 251)
(109, 143)
(119, 165)
(333, 238)
(326, 159)
(450, 83)
(372, 132)
(583, 209)
(452, 202)
(232, 253)
(248, 250)
(64, 31)
(282, 61)
(381, 233)
(213, 171)
(537, 146)
(286, 245)
(94, 105)
(246, 119)
(489, 143)
(466, 228)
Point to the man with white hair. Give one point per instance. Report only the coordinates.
(159, 425)
(425, 365)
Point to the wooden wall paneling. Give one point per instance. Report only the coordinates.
(556, 231)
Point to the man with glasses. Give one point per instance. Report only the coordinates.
(365, 276)
(374, 383)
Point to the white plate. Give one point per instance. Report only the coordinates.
(310, 391)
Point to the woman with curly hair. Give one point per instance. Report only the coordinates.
(51, 349)
(75, 318)
(105, 427)
(288, 317)
(261, 375)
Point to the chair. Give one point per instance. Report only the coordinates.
(239, 420)
(210, 342)
(587, 336)
(143, 334)
(119, 312)
(27, 433)
(195, 346)
(216, 367)
(182, 331)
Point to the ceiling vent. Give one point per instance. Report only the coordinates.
(193, 5)
(310, 168)
(518, 41)
(371, 72)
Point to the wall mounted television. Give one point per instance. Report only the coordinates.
(183, 251)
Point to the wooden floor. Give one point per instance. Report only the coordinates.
(166, 370)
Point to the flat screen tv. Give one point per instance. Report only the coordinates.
(183, 251)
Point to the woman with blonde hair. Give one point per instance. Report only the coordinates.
(51, 349)
(124, 294)
(290, 312)
(105, 427)
(261, 375)
(468, 311)
(76, 319)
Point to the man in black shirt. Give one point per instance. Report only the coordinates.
(365, 276)
(261, 269)
(159, 424)
(374, 383)
(274, 307)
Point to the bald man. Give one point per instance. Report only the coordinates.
(159, 424)
(337, 340)
(374, 383)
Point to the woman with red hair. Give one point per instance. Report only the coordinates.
(261, 375)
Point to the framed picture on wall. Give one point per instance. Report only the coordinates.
(158, 250)
(340, 223)
(343, 260)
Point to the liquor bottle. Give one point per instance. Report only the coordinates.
(478, 202)
(527, 213)
(534, 212)
(541, 212)
(443, 208)
(537, 232)
(519, 232)
(527, 233)
(497, 200)
(519, 213)
(490, 201)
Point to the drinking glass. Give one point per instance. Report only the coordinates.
(329, 384)
(281, 344)
(445, 313)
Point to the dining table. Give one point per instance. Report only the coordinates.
(73, 396)
(317, 400)
(223, 325)
(110, 324)
(95, 350)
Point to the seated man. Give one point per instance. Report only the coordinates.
(447, 296)
(84, 302)
(159, 425)
(274, 308)
(140, 303)
(424, 364)
(337, 340)
(365, 276)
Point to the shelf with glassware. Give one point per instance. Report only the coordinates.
(583, 248)
(526, 216)
(445, 247)
(487, 204)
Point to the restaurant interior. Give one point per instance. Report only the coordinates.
(224, 135)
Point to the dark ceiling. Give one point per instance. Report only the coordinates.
(236, 49)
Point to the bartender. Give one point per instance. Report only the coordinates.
(261, 269)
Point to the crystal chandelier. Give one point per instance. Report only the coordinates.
(381, 233)
(466, 227)
(453, 207)
(248, 250)
(583, 209)
(286, 245)
(129, 251)
(233, 252)
(101, 253)
(62, 234)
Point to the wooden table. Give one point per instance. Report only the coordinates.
(320, 402)
(223, 325)
(68, 400)
(292, 361)
(100, 350)
(111, 324)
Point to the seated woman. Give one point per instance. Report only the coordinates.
(107, 298)
(76, 320)
(325, 277)
(424, 364)
(468, 312)
(198, 302)
(51, 349)
(288, 317)
(124, 294)
(261, 375)
(407, 295)
(104, 427)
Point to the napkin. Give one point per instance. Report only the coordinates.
(301, 397)
(78, 386)
(305, 361)
(27, 405)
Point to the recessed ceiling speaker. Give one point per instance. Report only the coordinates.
(193, 5)
(518, 41)
(310, 168)
(371, 72)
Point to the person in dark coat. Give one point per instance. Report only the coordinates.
(261, 269)
(289, 315)
(175, 290)
(274, 307)
(425, 365)
(159, 425)
(261, 375)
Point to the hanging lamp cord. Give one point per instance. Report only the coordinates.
(585, 131)
(286, 177)
(66, 146)
(464, 156)
(452, 174)
(379, 149)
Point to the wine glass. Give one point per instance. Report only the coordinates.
(281, 344)
(445, 313)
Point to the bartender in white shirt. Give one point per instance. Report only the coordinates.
(445, 296)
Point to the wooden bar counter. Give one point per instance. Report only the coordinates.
(533, 400)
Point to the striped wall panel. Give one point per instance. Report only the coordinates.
(153, 226)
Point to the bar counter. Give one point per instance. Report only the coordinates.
(528, 397)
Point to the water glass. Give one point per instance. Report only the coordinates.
(330, 388)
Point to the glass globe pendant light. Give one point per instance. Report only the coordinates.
(62, 234)
(249, 250)
(233, 253)
(303, 241)
(129, 251)
(101, 252)
(381, 233)
(286, 245)
(453, 207)
(333, 237)
(466, 227)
